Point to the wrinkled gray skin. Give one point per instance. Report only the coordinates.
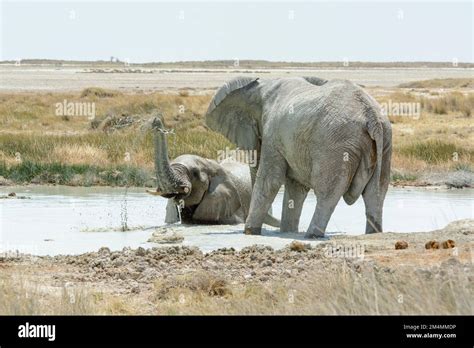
(206, 192)
(329, 136)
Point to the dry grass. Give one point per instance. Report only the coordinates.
(435, 152)
(451, 102)
(35, 112)
(80, 154)
(98, 92)
(19, 297)
(29, 127)
(342, 289)
(440, 138)
(31, 131)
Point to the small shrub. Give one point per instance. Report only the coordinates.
(97, 92)
(433, 151)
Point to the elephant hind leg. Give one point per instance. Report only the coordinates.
(329, 186)
(295, 195)
(373, 211)
(324, 209)
(374, 196)
(327, 199)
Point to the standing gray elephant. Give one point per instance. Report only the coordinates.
(202, 190)
(329, 136)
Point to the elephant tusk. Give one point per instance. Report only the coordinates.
(154, 193)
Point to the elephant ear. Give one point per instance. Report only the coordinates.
(315, 80)
(230, 114)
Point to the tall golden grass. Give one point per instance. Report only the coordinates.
(31, 131)
(342, 289)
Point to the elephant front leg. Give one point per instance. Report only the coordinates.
(295, 195)
(270, 177)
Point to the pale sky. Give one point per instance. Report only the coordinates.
(277, 31)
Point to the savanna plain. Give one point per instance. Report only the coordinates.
(431, 110)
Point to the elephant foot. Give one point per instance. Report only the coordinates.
(253, 230)
(313, 235)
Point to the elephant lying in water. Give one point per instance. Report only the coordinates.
(329, 136)
(202, 190)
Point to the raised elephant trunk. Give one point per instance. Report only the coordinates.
(169, 181)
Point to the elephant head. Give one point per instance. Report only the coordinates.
(205, 191)
(186, 182)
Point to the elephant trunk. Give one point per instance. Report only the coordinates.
(169, 182)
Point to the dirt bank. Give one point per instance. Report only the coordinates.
(155, 277)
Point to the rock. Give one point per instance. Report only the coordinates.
(140, 251)
(77, 180)
(457, 179)
(465, 226)
(166, 238)
(36, 180)
(432, 244)
(97, 263)
(140, 268)
(104, 251)
(448, 244)
(149, 274)
(401, 244)
(266, 263)
(12, 194)
(298, 246)
(118, 262)
(4, 182)
(260, 249)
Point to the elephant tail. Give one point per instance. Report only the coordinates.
(365, 172)
(376, 133)
(375, 129)
(272, 221)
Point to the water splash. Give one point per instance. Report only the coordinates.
(124, 212)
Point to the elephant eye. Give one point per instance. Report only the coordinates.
(195, 173)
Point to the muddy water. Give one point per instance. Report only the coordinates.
(69, 220)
